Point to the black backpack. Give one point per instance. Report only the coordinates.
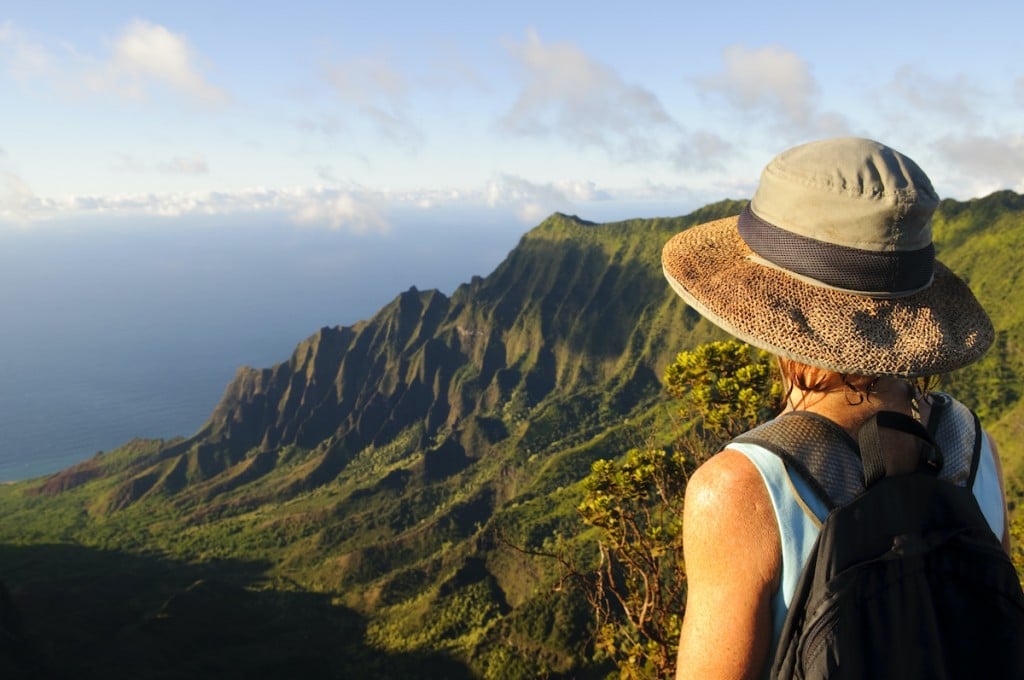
(906, 580)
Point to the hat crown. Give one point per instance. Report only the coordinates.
(832, 265)
(849, 191)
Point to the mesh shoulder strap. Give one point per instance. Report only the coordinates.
(828, 459)
(816, 449)
(958, 433)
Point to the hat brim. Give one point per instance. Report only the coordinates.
(932, 331)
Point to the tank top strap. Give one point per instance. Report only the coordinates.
(799, 513)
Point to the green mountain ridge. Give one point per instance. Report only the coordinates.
(449, 376)
(364, 477)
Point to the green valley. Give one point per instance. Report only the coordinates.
(345, 513)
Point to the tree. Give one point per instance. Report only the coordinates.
(638, 590)
(727, 386)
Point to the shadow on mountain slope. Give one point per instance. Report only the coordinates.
(71, 611)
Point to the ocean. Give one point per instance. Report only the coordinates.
(111, 332)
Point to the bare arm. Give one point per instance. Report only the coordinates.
(733, 565)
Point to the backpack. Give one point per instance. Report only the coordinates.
(906, 578)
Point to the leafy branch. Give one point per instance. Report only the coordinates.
(722, 389)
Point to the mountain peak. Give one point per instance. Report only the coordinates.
(573, 218)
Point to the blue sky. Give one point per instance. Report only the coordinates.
(186, 186)
(359, 117)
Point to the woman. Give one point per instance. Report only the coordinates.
(831, 268)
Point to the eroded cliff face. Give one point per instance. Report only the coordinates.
(576, 307)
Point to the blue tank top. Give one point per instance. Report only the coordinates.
(800, 515)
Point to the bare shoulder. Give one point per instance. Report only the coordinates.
(728, 507)
(733, 565)
(725, 481)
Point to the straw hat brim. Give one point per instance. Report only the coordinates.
(935, 330)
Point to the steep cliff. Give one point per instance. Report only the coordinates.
(577, 312)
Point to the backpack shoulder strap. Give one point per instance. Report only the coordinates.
(930, 459)
(820, 452)
(976, 455)
(959, 434)
(828, 460)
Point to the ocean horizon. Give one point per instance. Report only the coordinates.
(112, 333)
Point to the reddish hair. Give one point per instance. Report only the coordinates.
(821, 380)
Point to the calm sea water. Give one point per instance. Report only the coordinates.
(109, 333)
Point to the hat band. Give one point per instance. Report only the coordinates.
(865, 272)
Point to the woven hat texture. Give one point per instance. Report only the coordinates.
(846, 277)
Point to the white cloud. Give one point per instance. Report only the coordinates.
(352, 209)
(186, 165)
(379, 93)
(24, 58)
(532, 202)
(193, 164)
(450, 70)
(143, 59)
(702, 151)
(918, 92)
(376, 90)
(146, 53)
(343, 210)
(18, 203)
(364, 80)
(567, 94)
(770, 79)
(976, 165)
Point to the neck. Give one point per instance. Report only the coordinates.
(849, 408)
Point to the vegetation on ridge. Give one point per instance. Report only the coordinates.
(351, 492)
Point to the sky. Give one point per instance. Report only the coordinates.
(362, 118)
(190, 186)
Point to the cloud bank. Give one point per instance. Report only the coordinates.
(351, 209)
(532, 202)
(757, 100)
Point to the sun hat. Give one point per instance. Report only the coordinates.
(832, 264)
